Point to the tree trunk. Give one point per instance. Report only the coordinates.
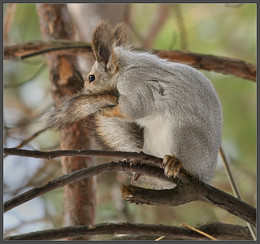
(79, 198)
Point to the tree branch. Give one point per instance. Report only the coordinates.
(160, 17)
(190, 188)
(196, 190)
(60, 153)
(181, 25)
(218, 230)
(33, 136)
(224, 65)
(8, 20)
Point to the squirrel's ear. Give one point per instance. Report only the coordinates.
(102, 42)
(120, 35)
(113, 64)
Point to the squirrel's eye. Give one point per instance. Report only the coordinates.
(91, 78)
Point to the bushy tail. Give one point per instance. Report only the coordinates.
(77, 108)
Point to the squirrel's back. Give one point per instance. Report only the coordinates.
(177, 106)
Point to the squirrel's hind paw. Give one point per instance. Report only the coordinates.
(135, 177)
(171, 165)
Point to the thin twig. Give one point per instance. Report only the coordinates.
(31, 49)
(229, 174)
(33, 136)
(97, 153)
(199, 231)
(8, 20)
(181, 26)
(27, 140)
(54, 49)
(220, 230)
(161, 16)
(234, 186)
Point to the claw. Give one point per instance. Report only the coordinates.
(171, 165)
(135, 161)
(135, 177)
(132, 161)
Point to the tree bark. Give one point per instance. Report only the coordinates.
(79, 197)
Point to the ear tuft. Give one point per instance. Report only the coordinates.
(120, 35)
(102, 42)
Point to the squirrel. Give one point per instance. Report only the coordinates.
(140, 102)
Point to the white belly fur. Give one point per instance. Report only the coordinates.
(158, 134)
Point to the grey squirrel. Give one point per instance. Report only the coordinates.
(140, 102)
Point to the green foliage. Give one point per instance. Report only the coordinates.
(26, 24)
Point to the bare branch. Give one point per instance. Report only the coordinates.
(219, 64)
(181, 26)
(219, 230)
(33, 136)
(196, 190)
(8, 20)
(59, 153)
(160, 17)
(234, 186)
(190, 188)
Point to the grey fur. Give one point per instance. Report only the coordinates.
(188, 105)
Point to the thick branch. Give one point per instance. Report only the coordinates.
(219, 64)
(196, 190)
(218, 230)
(190, 190)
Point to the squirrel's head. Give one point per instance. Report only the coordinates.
(103, 73)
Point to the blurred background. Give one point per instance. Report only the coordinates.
(218, 29)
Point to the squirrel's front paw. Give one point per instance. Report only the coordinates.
(107, 111)
(112, 112)
(171, 166)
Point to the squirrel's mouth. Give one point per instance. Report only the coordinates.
(87, 91)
